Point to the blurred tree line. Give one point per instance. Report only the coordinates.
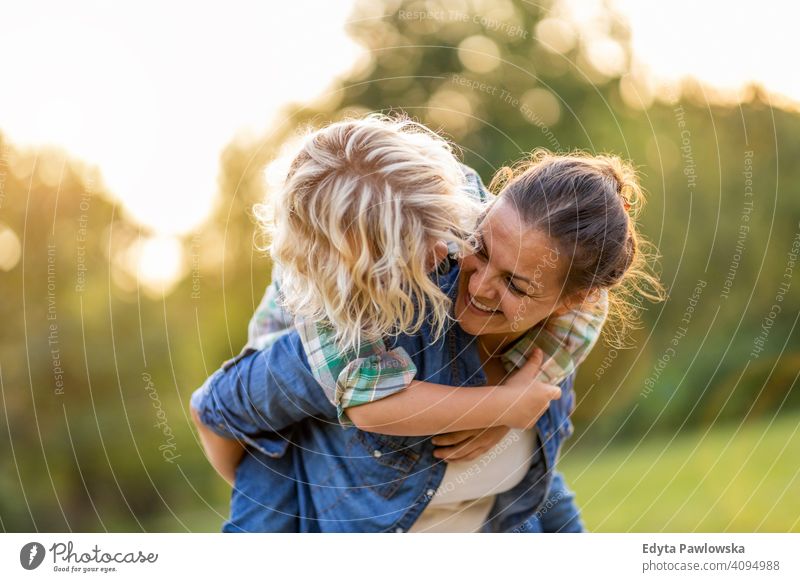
(95, 374)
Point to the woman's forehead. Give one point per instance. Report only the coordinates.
(517, 248)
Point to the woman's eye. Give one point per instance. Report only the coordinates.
(514, 289)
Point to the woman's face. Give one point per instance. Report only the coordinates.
(514, 279)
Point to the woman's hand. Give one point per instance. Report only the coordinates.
(466, 445)
(527, 399)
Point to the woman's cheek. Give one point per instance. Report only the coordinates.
(514, 311)
(525, 314)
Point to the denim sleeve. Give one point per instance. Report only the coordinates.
(559, 513)
(258, 396)
(565, 407)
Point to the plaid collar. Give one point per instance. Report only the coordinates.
(516, 356)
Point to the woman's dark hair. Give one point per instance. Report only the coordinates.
(587, 205)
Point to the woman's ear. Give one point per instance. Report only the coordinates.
(574, 301)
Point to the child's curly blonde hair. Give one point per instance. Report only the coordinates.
(354, 226)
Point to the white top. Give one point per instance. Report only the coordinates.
(467, 491)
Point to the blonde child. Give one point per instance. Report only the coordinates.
(369, 209)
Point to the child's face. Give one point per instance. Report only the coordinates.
(514, 279)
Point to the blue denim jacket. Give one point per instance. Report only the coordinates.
(346, 479)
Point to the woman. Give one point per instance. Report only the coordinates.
(559, 232)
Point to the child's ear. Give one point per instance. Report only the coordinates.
(440, 250)
(438, 255)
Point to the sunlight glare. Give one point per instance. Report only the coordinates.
(726, 44)
(153, 94)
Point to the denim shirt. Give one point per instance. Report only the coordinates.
(348, 479)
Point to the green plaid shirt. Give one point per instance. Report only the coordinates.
(270, 320)
(565, 340)
(351, 379)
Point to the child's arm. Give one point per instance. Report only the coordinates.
(223, 453)
(376, 392)
(423, 408)
(259, 396)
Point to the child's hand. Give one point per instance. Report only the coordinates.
(527, 398)
(466, 445)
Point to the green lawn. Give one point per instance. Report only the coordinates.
(738, 479)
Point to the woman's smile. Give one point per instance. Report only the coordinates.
(479, 307)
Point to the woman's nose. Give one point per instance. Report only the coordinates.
(480, 284)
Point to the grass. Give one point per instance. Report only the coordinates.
(731, 479)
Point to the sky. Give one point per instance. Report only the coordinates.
(151, 92)
(724, 43)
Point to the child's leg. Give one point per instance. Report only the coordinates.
(264, 498)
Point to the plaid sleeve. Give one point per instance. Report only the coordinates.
(350, 378)
(270, 320)
(566, 340)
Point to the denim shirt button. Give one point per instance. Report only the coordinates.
(430, 492)
(376, 453)
(399, 530)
